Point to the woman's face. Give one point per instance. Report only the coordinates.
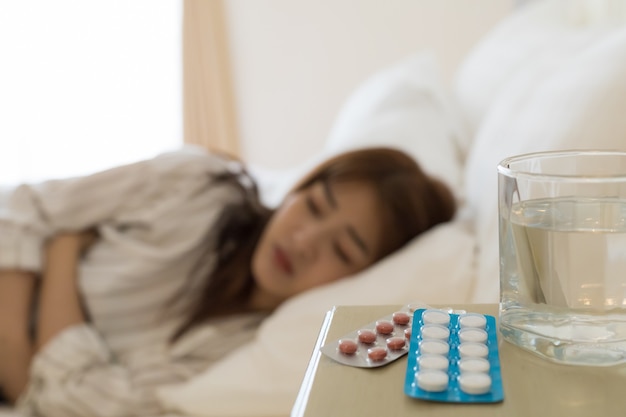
(318, 235)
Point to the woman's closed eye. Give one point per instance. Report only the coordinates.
(341, 254)
(314, 209)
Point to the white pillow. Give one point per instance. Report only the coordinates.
(579, 106)
(263, 377)
(541, 34)
(404, 106)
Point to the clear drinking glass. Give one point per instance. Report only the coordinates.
(562, 232)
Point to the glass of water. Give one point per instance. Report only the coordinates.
(562, 231)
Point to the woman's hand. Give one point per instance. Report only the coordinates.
(86, 239)
(77, 242)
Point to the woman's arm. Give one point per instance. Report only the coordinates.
(31, 214)
(16, 294)
(60, 306)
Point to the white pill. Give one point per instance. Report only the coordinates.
(471, 334)
(474, 350)
(472, 320)
(435, 331)
(432, 380)
(431, 361)
(413, 307)
(438, 347)
(436, 317)
(475, 383)
(473, 365)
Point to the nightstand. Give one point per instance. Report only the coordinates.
(532, 385)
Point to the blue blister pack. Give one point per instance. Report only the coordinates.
(453, 358)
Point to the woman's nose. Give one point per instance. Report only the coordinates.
(307, 240)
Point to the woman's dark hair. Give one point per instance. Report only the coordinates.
(237, 231)
(411, 201)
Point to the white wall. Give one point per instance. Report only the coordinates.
(86, 85)
(296, 61)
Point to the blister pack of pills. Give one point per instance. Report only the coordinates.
(375, 344)
(453, 358)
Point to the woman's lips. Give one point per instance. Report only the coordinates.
(282, 260)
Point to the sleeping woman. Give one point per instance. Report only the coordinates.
(117, 283)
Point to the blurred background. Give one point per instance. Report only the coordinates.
(86, 85)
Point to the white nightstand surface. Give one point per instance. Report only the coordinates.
(532, 385)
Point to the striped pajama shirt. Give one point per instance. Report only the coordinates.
(154, 218)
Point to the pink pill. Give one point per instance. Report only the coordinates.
(396, 343)
(384, 327)
(377, 353)
(401, 318)
(366, 336)
(407, 332)
(347, 346)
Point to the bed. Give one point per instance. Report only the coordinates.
(549, 76)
